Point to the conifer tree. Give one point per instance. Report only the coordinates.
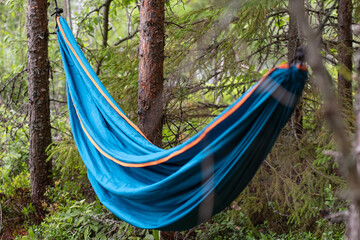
(38, 76)
(151, 59)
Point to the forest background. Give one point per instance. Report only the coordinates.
(214, 51)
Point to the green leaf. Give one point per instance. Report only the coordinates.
(155, 234)
(86, 232)
(94, 228)
(151, 237)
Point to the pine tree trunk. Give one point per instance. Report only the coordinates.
(353, 224)
(293, 44)
(69, 14)
(151, 58)
(105, 33)
(345, 53)
(38, 75)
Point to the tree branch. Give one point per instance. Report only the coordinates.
(126, 38)
(2, 88)
(91, 12)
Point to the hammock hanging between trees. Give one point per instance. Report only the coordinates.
(177, 188)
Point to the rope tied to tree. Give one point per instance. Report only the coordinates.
(58, 11)
(299, 55)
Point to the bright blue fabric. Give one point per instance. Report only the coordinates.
(195, 184)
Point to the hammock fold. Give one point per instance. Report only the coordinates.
(177, 188)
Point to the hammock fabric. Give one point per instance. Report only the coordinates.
(177, 188)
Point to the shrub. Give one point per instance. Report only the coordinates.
(82, 220)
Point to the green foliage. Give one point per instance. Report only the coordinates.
(11, 186)
(61, 193)
(16, 208)
(14, 142)
(291, 190)
(215, 50)
(82, 220)
(66, 158)
(229, 224)
(234, 224)
(69, 171)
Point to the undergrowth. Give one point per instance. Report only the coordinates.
(289, 198)
(82, 220)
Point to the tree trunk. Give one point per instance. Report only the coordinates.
(38, 75)
(349, 159)
(105, 33)
(293, 43)
(68, 5)
(345, 54)
(345, 96)
(67, 12)
(353, 224)
(151, 58)
(106, 23)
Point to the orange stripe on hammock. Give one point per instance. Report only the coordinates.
(174, 154)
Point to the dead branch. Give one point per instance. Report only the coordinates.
(334, 154)
(2, 88)
(126, 38)
(338, 217)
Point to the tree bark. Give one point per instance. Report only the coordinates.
(69, 14)
(105, 33)
(353, 223)
(345, 54)
(106, 23)
(38, 75)
(293, 43)
(349, 158)
(151, 58)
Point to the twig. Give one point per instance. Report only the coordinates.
(334, 154)
(12, 79)
(320, 173)
(270, 204)
(175, 24)
(58, 101)
(262, 48)
(88, 14)
(338, 217)
(127, 38)
(106, 220)
(327, 17)
(61, 131)
(20, 90)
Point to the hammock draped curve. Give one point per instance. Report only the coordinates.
(178, 188)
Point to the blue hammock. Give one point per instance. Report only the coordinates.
(177, 188)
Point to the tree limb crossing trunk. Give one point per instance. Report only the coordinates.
(353, 223)
(293, 44)
(151, 58)
(38, 75)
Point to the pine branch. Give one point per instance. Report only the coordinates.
(2, 88)
(126, 38)
(91, 12)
